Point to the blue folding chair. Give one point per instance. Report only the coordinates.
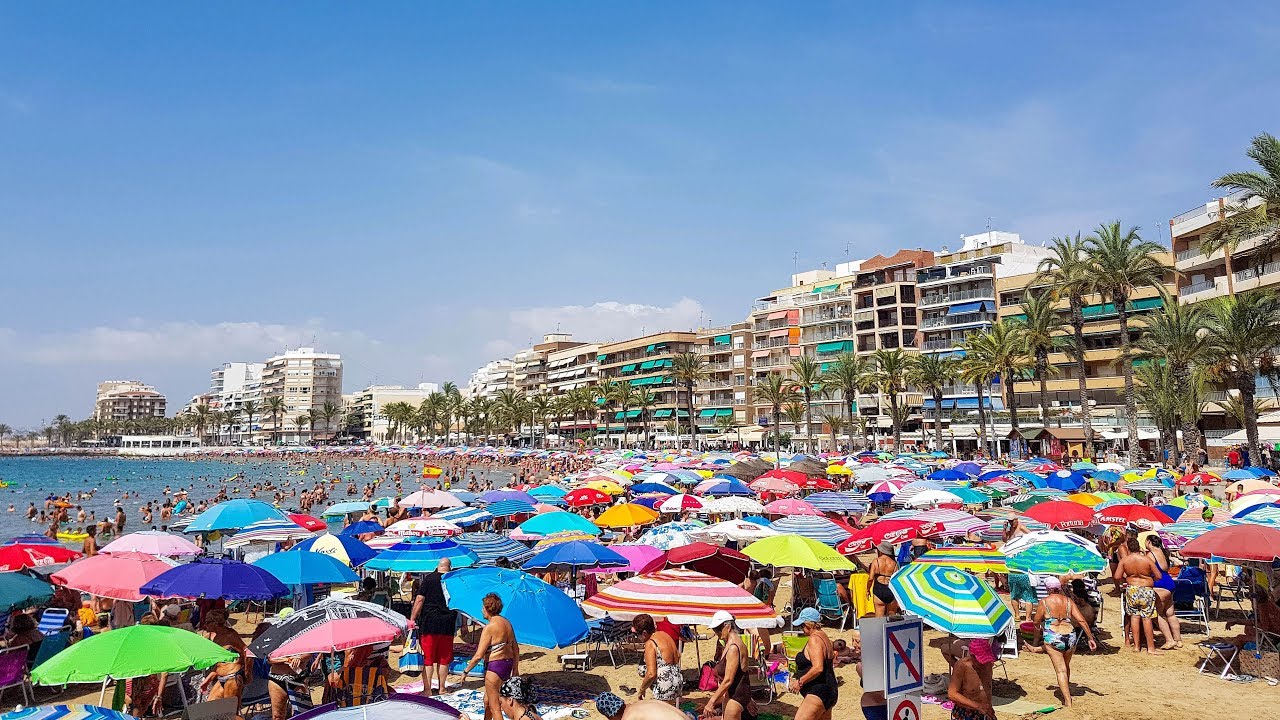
(829, 605)
(1191, 598)
(52, 621)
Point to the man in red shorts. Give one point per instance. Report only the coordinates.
(436, 625)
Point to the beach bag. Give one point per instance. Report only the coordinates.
(411, 660)
(707, 681)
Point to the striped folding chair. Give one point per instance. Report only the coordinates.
(52, 621)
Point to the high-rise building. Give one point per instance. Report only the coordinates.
(1201, 276)
(492, 378)
(126, 400)
(364, 408)
(645, 362)
(723, 396)
(305, 380)
(230, 387)
(530, 365)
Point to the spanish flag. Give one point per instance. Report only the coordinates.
(431, 471)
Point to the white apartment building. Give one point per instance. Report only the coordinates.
(305, 379)
(364, 407)
(230, 387)
(126, 400)
(492, 378)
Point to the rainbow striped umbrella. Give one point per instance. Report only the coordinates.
(977, 559)
(66, 712)
(1057, 558)
(684, 597)
(951, 600)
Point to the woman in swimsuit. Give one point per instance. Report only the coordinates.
(661, 668)
(1166, 614)
(734, 692)
(225, 680)
(1059, 617)
(815, 676)
(882, 568)
(499, 651)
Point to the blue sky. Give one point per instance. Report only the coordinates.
(426, 186)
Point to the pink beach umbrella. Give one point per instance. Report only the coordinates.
(152, 542)
(117, 576)
(638, 556)
(790, 506)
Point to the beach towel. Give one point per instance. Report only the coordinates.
(1019, 706)
(861, 594)
(471, 702)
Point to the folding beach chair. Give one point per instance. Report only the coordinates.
(13, 671)
(1191, 600)
(52, 621)
(829, 605)
(364, 684)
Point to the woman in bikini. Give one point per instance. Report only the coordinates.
(882, 568)
(1058, 618)
(226, 680)
(815, 677)
(499, 651)
(733, 694)
(661, 668)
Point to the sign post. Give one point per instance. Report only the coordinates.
(905, 707)
(903, 667)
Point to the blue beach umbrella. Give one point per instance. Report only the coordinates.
(1173, 512)
(813, 527)
(838, 501)
(32, 539)
(1067, 480)
(66, 712)
(758, 520)
(466, 497)
(1239, 474)
(216, 578)
(233, 515)
(554, 522)
(542, 492)
(970, 469)
(541, 614)
(494, 496)
(18, 592)
(508, 508)
(422, 555)
(306, 568)
(951, 600)
(363, 527)
(729, 487)
(573, 555)
(464, 516)
(1109, 476)
(652, 487)
(1057, 558)
(345, 548)
(488, 547)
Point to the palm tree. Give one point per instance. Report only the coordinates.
(1175, 336)
(1072, 275)
(1157, 390)
(892, 368)
(645, 400)
(1043, 327)
(301, 422)
(1242, 331)
(795, 413)
(251, 411)
(231, 416)
(1234, 407)
(1124, 262)
(807, 374)
(933, 372)
(624, 394)
(541, 406)
(63, 425)
(330, 410)
(1004, 349)
(4, 430)
(977, 370)
(450, 406)
(686, 370)
(1241, 222)
(314, 416)
(776, 391)
(605, 391)
(511, 402)
(848, 374)
(201, 420)
(835, 422)
(275, 408)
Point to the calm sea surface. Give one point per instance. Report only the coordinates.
(32, 479)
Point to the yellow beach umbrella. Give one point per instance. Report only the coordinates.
(838, 470)
(564, 537)
(626, 515)
(606, 487)
(705, 473)
(1086, 499)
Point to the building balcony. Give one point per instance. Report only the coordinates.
(935, 345)
(827, 317)
(935, 278)
(957, 296)
(1203, 290)
(709, 384)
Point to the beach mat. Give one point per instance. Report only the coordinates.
(1019, 706)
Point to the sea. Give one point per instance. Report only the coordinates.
(33, 479)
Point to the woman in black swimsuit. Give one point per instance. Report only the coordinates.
(815, 677)
(733, 694)
(882, 568)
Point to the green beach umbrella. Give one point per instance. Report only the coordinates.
(1025, 505)
(951, 600)
(1057, 558)
(130, 652)
(797, 552)
(1181, 501)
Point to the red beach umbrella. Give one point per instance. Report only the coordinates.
(1248, 541)
(1061, 514)
(17, 557)
(307, 522)
(892, 531)
(586, 496)
(706, 558)
(1123, 514)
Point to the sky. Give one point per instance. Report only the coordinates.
(427, 186)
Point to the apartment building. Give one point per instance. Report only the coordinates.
(774, 324)
(364, 408)
(725, 391)
(126, 400)
(530, 365)
(645, 362)
(305, 379)
(1201, 276)
(230, 387)
(492, 378)
(570, 369)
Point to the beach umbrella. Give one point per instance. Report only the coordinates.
(934, 498)
(890, 531)
(216, 578)
(1243, 542)
(267, 531)
(1194, 500)
(488, 547)
(684, 597)
(544, 492)
(671, 535)
(1148, 485)
(637, 557)
(1086, 499)
(1171, 513)
(117, 576)
(680, 503)
(493, 496)
(912, 489)
(507, 508)
(950, 600)
(834, 470)
(1056, 558)
(732, 504)
(421, 554)
(346, 550)
(431, 527)
(724, 487)
(572, 556)
(1036, 537)
(66, 712)
(18, 557)
(1061, 514)
(19, 592)
(1247, 480)
(464, 516)
(883, 491)
(838, 501)
(398, 706)
(948, 522)
(813, 527)
(1065, 480)
(798, 552)
(152, 542)
(705, 558)
(775, 485)
(234, 515)
(790, 506)
(582, 497)
(608, 487)
(542, 615)
(626, 515)
(740, 531)
(974, 559)
(327, 626)
(1123, 514)
(554, 522)
(1203, 477)
(130, 652)
(362, 527)
(950, 475)
(429, 499)
(1259, 513)
(308, 522)
(465, 497)
(1180, 533)
(306, 568)
(545, 541)
(31, 539)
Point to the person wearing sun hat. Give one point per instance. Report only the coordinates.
(733, 694)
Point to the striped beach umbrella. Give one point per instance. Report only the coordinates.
(347, 550)
(422, 555)
(488, 547)
(1178, 534)
(431, 526)
(813, 527)
(509, 508)
(684, 597)
(790, 506)
(464, 516)
(977, 559)
(562, 537)
(732, 504)
(1057, 558)
(951, 600)
(267, 531)
(951, 523)
(66, 712)
(838, 501)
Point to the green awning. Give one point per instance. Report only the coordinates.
(720, 340)
(601, 401)
(1147, 303)
(707, 412)
(1099, 310)
(646, 365)
(668, 362)
(724, 412)
(630, 414)
(601, 357)
(661, 346)
(650, 348)
(662, 413)
(826, 288)
(1019, 318)
(629, 368)
(682, 413)
(825, 366)
(835, 347)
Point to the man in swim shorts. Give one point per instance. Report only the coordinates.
(1138, 573)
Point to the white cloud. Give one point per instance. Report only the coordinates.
(599, 85)
(606, 321)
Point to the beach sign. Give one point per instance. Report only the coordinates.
(903, 656)
(905, 707)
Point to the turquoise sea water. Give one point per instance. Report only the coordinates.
(32, 479)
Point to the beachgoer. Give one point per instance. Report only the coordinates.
(1058, 619)
(499, 651)
(517, 698)
(1137, 573)
(612, 707)
(970, 688)
(436, 625)
(1164, 586)
(227, 679)
(882, 568)
(733, 694)
(874, 704)
(22, 632)
(661, 668)
(815, 676)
